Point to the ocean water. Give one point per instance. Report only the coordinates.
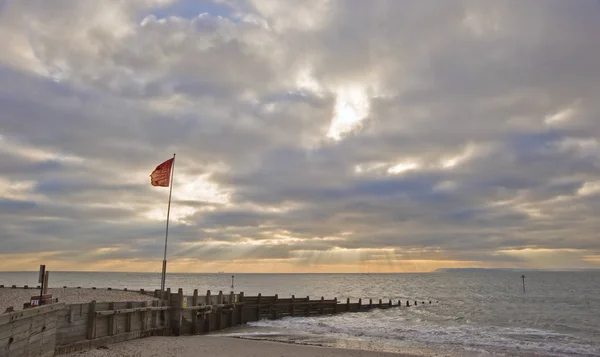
(478, 314)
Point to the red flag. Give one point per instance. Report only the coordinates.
(161, 176)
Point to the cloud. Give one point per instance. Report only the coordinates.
(340, 136)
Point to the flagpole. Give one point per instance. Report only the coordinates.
(164, 266)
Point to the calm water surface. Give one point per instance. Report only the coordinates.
(479, 313)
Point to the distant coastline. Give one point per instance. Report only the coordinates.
(513, 270)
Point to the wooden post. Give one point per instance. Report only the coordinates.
(241, 307)
(359, 303)
(129, 323)
(165, 315)
(156, 314)
(91, 324)
(220, 298)
(370, 303)
(274, 307)
(258, 307)
(416, 303)
(144, 316)
(208, 298)
(335, 305)
(195, 298)
(195, 312)
(348, 304)
(179, 311)
(219, 312)
(407, 303)
(321, 305)
(45, 283)
(380, 303)
(307, 309)
(112, 321)
(293, 307)
(231, 298)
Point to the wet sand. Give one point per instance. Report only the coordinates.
(215, 346)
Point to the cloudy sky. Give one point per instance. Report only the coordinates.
(311, 136)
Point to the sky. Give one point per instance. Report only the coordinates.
(311, 136)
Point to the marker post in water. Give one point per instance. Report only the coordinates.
(232, 281)
(523, 277)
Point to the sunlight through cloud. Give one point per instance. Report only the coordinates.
(351, 108)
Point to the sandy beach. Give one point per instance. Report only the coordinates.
(214, 346)
(17, 297)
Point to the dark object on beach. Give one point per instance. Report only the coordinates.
(102, 348)
(429, 302)
(407, 303)
(9, 309)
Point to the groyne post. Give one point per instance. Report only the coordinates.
(91, 323)
(241, 306)
(129, 318)
(321, 305)
(307, 308)
(176, 311)
(273, 307)
(370, 303)
(195, 313)
(359, 304)
(335, 305)
(293, 307)
(258, 307)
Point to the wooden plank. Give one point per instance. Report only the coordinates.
(131, 310)
(23, 314)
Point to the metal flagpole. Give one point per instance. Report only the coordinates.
(164, 266)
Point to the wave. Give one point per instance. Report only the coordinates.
(427, 327)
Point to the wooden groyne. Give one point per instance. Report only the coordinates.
(61, 328)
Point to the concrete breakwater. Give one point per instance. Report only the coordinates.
(61, 328)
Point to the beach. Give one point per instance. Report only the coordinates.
(18, 296)
(216, 346)
(479, 313)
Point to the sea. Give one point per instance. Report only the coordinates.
(473, 313)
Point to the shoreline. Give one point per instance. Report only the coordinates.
(222, 346)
